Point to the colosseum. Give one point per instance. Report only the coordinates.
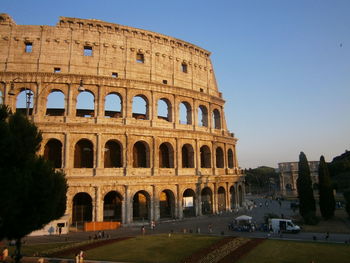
(134, 118)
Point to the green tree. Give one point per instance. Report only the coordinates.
(327, 201)
(32, 193)
(307, 206)
(346, 194)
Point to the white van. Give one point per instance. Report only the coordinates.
(283, 225)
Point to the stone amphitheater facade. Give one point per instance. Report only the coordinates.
(122, 164)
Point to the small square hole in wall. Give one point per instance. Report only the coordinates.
(28, 47)
(165, 81)
(201, 90)
(87, 51)
(57, 70)
(114, 74)
(140, 58)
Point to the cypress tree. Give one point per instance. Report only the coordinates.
(327, 202)
(307, 206)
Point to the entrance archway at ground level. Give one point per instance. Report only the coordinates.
(221, 199)
(240, 196)
(112, 206)
(166, 204)
(189, 203)
(82, 208)
(207, 201)
(232, 198)
(141, 206)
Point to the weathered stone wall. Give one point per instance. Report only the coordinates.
(172, 70)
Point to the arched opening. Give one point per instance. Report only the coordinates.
(53, 152)
(240, 196)
(216, 119)
(202, 116)
(112, 154)
(221, 199)
(25, 102)
(167, 204)
(207, 201)
(141, 206)
(189, 203)
(205, 157)
(232, 198)
(85, 104)
(166, 155)
(113, 106)
(219, 158)
(55, 103)
(187, 156)
(185, 113)
(140, 107)
(230, 158)
(140, 155)
(82, 208)
(83, 154)
(112, 206)
(1, 98)
(164, 110)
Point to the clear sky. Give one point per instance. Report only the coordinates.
(283, 66)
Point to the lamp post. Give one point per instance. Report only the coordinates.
(28, 92)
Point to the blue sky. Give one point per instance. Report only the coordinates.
(283, 66)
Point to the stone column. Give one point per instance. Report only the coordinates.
(127, 206)
(199, 200)
(70, 102)
(98, 205)
(215, 199)
(179, 201)
(98, 151)
(66, 164)
(227, 198)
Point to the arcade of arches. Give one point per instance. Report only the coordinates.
(128, 206)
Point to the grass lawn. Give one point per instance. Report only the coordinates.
(30, 250)
(152, 249)
(276, 251)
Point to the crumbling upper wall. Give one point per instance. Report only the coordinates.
(114, 48)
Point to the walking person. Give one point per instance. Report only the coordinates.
(81, 256)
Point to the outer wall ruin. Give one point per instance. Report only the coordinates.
(169, 159)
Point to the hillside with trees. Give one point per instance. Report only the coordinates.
(261, 180)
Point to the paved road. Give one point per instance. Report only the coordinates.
(218, 223)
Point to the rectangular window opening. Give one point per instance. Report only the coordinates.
(140, 58)
(87, 51)
(57, 70)
(201, 90)
(114, 74)
(29, 47)
(165, 81)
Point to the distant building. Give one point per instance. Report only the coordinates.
(289, 175)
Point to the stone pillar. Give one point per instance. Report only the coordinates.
(98, 205)
(227, 198)
(155, 204)
(66, 164)
(126, 206)
(179, 201)
(70, 102)
(197, 154)
(199, 200)
(98, 151)
(177, 156)
(215, 199)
